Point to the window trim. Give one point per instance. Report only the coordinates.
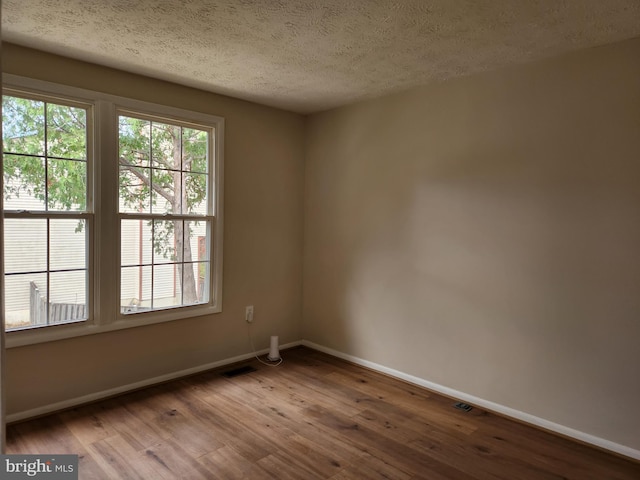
(105, 313)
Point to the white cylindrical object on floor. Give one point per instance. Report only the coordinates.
(274, 354)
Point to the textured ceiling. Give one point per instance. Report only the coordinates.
(312, 55)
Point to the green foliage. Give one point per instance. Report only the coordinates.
(162, 168)
(23, 125)
(45, 149)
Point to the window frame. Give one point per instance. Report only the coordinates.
(211, 201)
(103, 247)
(48, 215)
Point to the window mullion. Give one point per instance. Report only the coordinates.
(107, 225)
(48, 304)
(46, 158)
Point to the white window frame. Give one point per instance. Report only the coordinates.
(209, 217)
(88, 214)
(104, 242)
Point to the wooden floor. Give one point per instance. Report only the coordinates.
(314, 417)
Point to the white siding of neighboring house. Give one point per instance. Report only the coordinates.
(137, 248)
(26, 250)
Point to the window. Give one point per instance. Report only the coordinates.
(164, 212)
(112, 212)
(48, 220)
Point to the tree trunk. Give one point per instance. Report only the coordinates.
(185, 270)
(182, 230)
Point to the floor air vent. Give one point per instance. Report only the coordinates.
(238, 371)
(463, 406)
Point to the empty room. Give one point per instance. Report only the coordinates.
(320, 239)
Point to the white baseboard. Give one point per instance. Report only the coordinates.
(486, 404)
(92, 397)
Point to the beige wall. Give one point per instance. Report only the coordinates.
(262, 249)
(484, 234)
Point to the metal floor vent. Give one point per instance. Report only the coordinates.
(238, 371)
(463, 406)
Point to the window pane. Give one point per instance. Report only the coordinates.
(134, 141)
(165, 196)
(135, 289)
(24, 183)
(201, 271)
(23, 125)
(196, 193)
(25, 300)
(164, 241)
(134, 190)
(25, 245)
(166, 146)
(189, 278)
(67, 185)
(68, 287)
(197, 248)
(166, 286)
(66, 132)
(68, 244)
(136, 247)
(193, 277)
(182, 251)
(68, 296)
(195, 150)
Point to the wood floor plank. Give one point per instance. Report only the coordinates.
(423, 407)
(118, 460)
(314, 459)
(309, 391)
(227, 463)
(369, 467)
(280, 410)
(130, 427)
(49, 435)
(86, 425)
(381, 446)
(226, 428)
(313, 417)
(282, 469)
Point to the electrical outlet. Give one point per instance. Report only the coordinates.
(248, 314)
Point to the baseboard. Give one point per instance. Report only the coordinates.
(112, 392)
(486, 404)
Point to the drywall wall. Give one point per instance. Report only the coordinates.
(262, 249)
(484, 233)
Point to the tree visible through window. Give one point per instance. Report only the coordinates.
(164, 210)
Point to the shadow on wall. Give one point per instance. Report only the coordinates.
(489, 248)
